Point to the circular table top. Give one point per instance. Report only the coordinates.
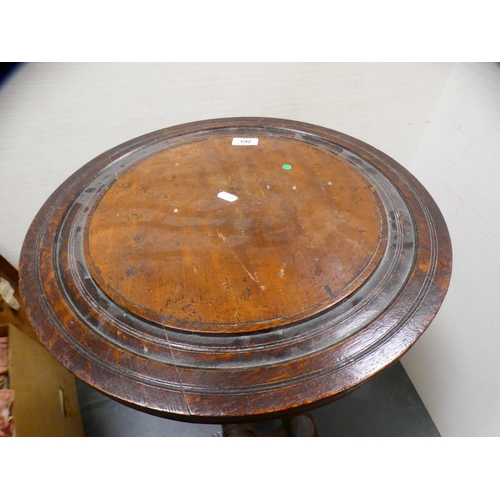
(235, 269)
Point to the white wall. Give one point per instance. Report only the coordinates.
(455, 364)
(441, 121)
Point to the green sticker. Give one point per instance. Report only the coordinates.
(287, 167)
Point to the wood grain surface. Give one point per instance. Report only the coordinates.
(162, 244)
(323, 266)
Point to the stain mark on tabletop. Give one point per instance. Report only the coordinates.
(329, 290)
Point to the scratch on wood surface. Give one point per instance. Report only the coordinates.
(224, 239)
(177, 370)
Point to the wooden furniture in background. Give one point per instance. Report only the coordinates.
(45, 397)
(9, 315)
(234, 270)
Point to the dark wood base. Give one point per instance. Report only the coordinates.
(302, 425)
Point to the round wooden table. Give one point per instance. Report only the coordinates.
(233, 270)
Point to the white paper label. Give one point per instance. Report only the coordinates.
(227, 196)
(245, 141)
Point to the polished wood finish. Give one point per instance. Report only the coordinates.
(163, 245)
(147, 284)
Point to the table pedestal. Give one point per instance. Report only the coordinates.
(302, 425)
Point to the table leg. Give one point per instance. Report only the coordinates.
(302, 425)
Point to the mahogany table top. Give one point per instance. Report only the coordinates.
(235, 269)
